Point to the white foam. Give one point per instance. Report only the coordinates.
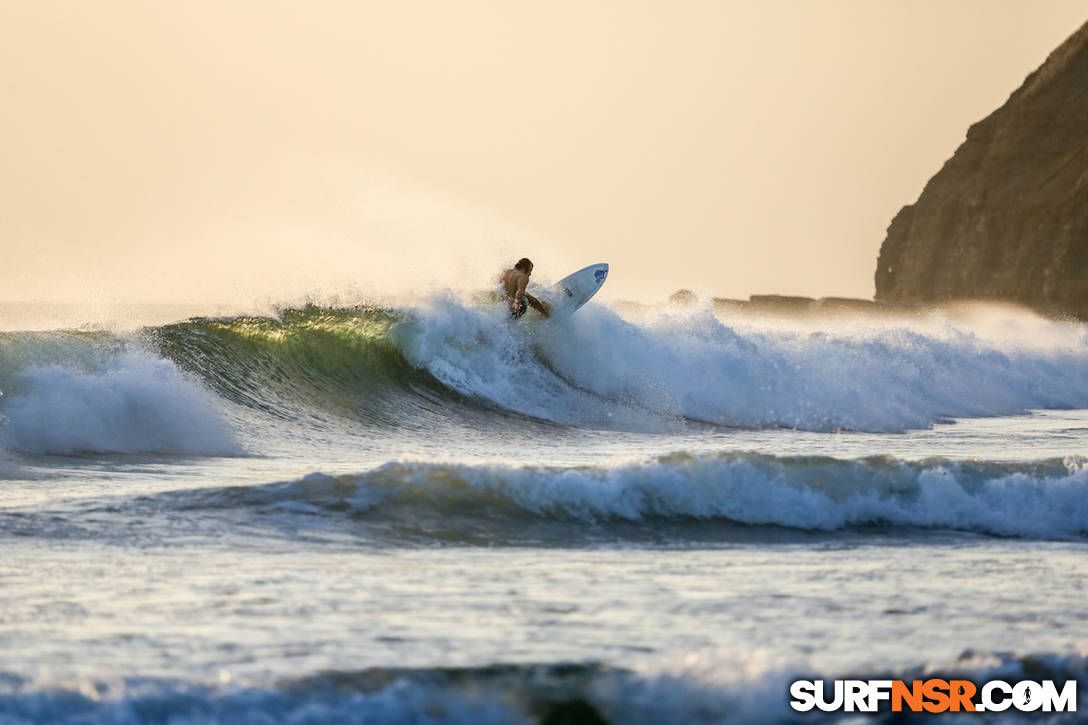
(480, 352)
(596, 368)
(130, 403)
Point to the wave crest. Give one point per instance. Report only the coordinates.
(599, 369)
(502, 504)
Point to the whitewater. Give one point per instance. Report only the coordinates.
(427, 512)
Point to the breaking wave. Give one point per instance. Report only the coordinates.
(675, 498)
(70, 394)
(172, 388)
(599, 369)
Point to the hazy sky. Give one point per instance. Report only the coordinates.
(235, 151)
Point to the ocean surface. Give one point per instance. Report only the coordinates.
(428, 513)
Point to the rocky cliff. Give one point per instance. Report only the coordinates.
(1006, 218)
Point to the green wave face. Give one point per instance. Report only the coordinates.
(341, 362)
(310, 368)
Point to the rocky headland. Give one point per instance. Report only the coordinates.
(1006, 218)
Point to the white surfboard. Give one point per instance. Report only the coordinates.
(573, 291)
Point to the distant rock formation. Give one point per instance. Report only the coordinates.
(793, 306)
(781, 300)
(1006, 218)
(683, 297)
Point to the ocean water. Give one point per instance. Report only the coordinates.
(429, 513)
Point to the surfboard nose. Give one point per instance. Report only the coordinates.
(574, 290)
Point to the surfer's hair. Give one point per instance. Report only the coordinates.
(524, 264)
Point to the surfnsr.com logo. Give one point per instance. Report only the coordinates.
(933, 695)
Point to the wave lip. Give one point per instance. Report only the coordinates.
(683, 495)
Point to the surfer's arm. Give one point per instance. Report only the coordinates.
(539, 306)
(519, 291)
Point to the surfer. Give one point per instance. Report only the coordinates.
(514, 282)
